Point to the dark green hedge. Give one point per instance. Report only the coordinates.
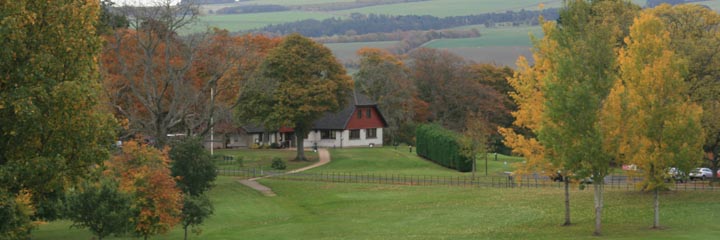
(441, 146)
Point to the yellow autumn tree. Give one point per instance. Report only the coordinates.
(648, 118)
(527, 82)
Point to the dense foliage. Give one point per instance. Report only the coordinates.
(442, 146)
(101, 207)
(192, 166)
(298, 82)
(372, 23)
(52, 123)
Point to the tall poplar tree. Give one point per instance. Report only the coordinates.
(580, 78)
(52, 128)
(297, 82)
(649, 118)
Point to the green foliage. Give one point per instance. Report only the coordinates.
(192, 166)
(278, 163)
(195, 210)
(101, 207)
(298, 82)
(441, 146)
(15, 214)
(52, 127)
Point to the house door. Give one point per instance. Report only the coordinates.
(289, 139)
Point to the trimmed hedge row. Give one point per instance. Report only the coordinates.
(441, 146)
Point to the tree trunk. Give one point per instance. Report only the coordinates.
(656, 223)
(185, 228)
(567, 201)
(299, 142)
(598, 207)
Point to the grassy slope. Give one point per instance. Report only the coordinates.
(262, 158)
(387, 160)
(310, 210)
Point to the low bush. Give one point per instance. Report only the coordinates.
(278, 163)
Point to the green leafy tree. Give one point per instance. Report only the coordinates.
(579, 80)
(52, 127)
(648, 114)
(297, 82)
(195, 173)
(101, 207)
(195, 210)
(15, 213)
(192, 166)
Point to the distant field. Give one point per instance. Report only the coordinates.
(503, 56)
(348, 51)
(240, 22)
(444, 8)
(509, 36)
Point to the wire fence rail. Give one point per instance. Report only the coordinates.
(619, 182)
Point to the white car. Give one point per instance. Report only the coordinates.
(701, 173)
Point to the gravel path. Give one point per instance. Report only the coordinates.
(324, 158)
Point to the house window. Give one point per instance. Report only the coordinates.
(355, 134)
(369, 115)
(371, 133)
(359, 113)
(327, 134)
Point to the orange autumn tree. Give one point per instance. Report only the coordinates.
(160, 83)
(222, 65)
(527, 83)
(143, 171)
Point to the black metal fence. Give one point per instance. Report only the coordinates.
(620, 182)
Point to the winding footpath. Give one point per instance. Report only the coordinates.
(324, 158)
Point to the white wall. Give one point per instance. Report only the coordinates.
(342, 139)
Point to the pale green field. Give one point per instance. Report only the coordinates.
(509, 36)
(240, 22)
(445, 8)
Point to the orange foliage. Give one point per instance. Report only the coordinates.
(144, 172)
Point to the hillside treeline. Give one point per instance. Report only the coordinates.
(359, 23)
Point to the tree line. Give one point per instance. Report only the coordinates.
(359, 23)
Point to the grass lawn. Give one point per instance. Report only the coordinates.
(312, 210)
(262, 158)
(387, 160)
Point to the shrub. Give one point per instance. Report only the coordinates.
(240, 161)
(442, 147)
(274, 145)
(255, 146)
(278, 164)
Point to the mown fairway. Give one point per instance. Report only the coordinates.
(312, 210)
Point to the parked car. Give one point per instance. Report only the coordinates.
(676, 175)
(701, 173)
